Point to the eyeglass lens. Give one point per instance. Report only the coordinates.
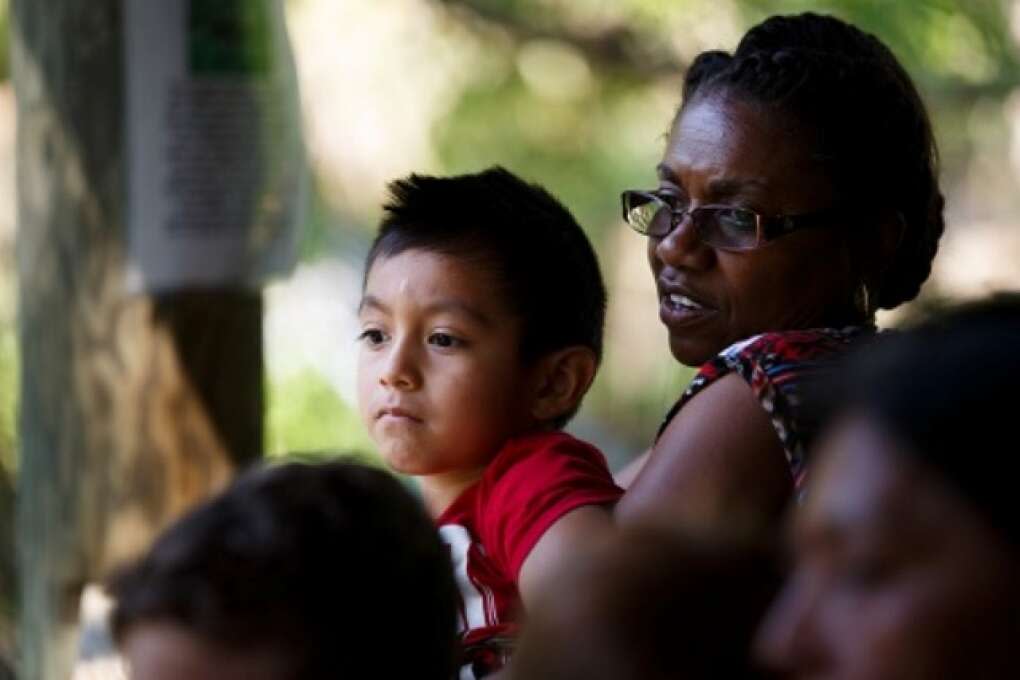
(720, 227)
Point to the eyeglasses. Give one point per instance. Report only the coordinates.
(718, 226)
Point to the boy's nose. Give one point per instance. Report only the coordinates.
(401, 370)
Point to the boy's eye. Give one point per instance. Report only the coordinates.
(372, 336)
(444, 340)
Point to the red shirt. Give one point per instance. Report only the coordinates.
(491, 528)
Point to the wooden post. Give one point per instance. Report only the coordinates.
(132, 407)
(7, 586)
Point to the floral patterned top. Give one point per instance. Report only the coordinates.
(779, 366)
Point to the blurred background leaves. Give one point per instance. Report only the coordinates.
(576, 95)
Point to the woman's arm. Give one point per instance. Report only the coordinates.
(567, 541)
(718, 463)
(626, 476)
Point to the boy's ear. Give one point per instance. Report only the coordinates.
(562, 379)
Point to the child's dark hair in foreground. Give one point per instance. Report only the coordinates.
(330, 570)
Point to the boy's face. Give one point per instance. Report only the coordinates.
(440, 382)
(159, 650)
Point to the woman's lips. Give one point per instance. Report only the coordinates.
(677, 309)
(678, 300)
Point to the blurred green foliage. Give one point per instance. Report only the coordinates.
(8, 411)
(5, 41)
(306, 415)
(574, 151)
(578, 95)
(563, 92)
(950, 47)
(8, 394)
(229, 37)
(960, 53)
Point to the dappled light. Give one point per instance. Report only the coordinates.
(575, 95)
(578, 96)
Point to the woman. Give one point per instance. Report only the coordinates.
(908, 547)
(797, 195)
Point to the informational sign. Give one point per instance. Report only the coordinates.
(216, 166)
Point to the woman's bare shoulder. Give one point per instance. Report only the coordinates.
(719, 459)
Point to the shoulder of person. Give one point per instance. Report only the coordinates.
(540, 450)
(718, 458)
(534, 481)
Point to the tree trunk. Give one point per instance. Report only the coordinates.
(6, 570)
(132, 407)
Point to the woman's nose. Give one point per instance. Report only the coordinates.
(683, 248)
(400, 370)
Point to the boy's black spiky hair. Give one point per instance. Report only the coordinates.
(519, 232)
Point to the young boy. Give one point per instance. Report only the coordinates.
(482, 321)
(296, 571)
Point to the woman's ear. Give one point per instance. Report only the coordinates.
(873, 250)
(889, 238)
(562, 379)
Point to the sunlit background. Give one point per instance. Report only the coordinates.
(576, 95)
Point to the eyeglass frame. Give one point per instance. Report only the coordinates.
(767, 228)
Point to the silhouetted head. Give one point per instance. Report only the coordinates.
(908, 546)
(295, 571)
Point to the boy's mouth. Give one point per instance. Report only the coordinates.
(397, 413)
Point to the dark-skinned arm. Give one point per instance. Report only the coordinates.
(718, 464)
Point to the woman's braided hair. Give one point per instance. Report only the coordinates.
(872, 131)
